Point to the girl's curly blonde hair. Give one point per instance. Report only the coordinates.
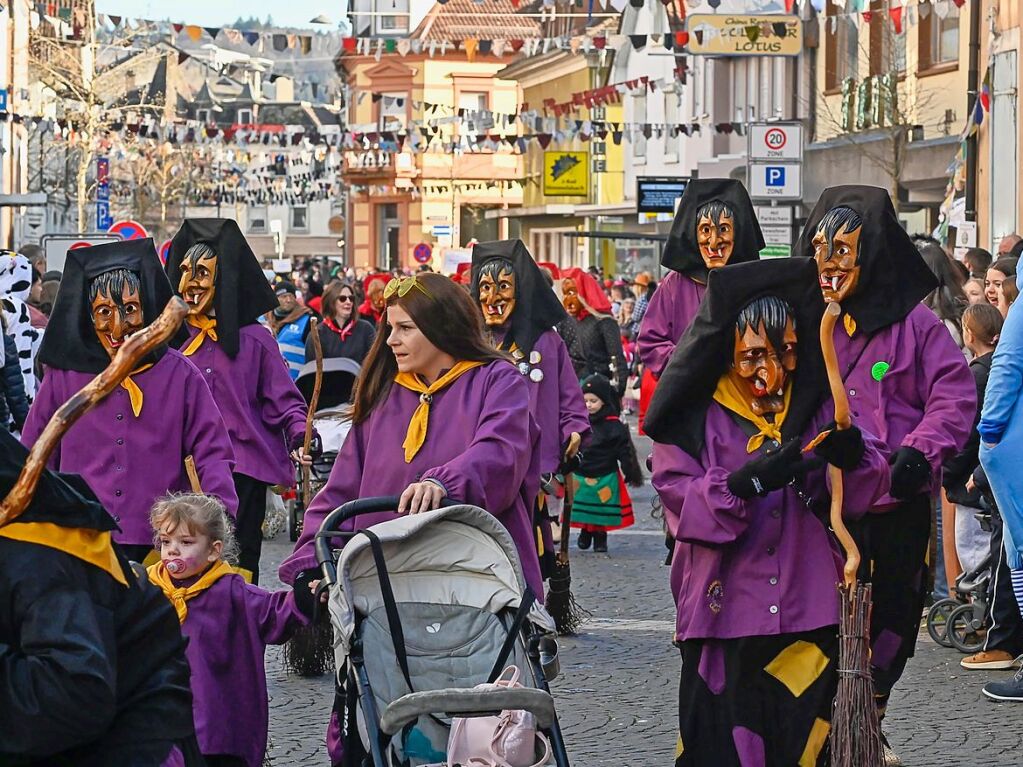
(201, 515)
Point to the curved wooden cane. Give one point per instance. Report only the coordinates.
(843, 421)
(123, 363)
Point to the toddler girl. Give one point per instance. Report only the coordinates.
(228, 624)
(602, 501)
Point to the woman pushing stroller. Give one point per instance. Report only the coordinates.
(438, 413)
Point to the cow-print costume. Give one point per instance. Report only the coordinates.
(15, 285)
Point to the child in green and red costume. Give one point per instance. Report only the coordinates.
(602, 501)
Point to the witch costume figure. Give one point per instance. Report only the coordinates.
(599, 335)
(715, 226)
(214, 270)
(131, 448)
(92, 661)
(908, 383)
(520, 311)
(755, 568)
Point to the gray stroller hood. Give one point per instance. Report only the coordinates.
(459, 555)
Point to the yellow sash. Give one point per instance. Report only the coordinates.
(134, 392)
(415, 436)
(92, 546)
(207, 327)
(730, 396)
(179, 595)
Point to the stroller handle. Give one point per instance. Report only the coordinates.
(330, 528)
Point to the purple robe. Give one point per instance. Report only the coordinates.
(262, 408)
(129, 461)
(926, 400)
(756, 567)
(669, 315)
(481, 445)
(556, 402)
(228, 628)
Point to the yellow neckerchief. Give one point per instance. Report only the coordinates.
(179, 595)
(730, 396)
(95, 547)
(850, 324)
(207, 327)
(134, 392)
(416, 434)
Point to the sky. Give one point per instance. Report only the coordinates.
(208, 13)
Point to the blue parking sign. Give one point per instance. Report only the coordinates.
(774, 175)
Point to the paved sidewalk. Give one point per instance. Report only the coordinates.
(617, 696)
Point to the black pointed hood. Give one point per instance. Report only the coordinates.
(678, 411)
(894, 278)
(70, 341)
(537, 308)
(681, 252)
(600, 386)
(59, 499)
(243, 294)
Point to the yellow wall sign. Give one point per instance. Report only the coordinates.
(734, 35)
(566, 174)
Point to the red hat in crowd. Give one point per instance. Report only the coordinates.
(550, 267)
(590, 292)
(369, 279)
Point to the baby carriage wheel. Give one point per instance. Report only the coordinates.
(966, 629)
(937, 620)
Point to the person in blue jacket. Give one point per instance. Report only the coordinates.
(1001, 444)
(289, 323)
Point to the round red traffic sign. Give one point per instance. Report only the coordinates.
(81, 244)
(164, 250)
(775, 138)
(129, 230)
(422, 253)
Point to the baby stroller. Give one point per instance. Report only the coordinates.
(424, 608)
(960, 622)
(331, 423)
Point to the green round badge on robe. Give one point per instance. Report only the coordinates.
(879, 369)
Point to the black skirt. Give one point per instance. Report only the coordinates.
(757, 701)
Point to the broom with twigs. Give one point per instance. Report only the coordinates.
(855, 727)
(310, 651)
(567, 613)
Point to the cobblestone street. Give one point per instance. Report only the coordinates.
(618, 690)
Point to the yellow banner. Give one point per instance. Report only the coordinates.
(733, 35)
(566, 174)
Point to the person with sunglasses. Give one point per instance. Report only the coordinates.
(343, 333)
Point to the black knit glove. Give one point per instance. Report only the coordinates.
(770, 471)
(305, 601)
(843, 448)
(315, 444)
(910, 472)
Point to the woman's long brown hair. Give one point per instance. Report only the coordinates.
(446, 315)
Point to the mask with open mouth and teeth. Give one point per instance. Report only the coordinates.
(715, 233)
(836, 249)
(198, 279)
(116, 307)
(497, 292)
(764, 356)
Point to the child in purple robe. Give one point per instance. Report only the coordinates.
(756, 567)
(228, 624)
(601, 501)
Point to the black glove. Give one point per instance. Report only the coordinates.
(305, 600)
(910, 472)
(770, 471)
(315, 444)
(843, 448)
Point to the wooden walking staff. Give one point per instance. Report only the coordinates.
(124, 362)
(855, 728)
(313, 402)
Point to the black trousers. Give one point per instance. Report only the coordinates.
(249, 525)
(1006, 626)
(894, 546)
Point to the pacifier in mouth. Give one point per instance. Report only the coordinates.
(175, 566)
